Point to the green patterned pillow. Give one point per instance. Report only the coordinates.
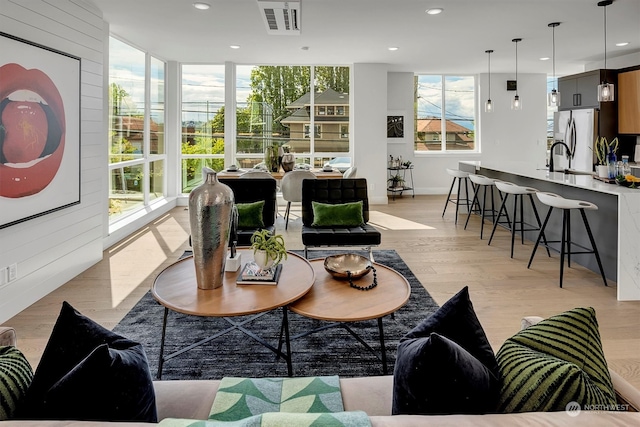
(554, 362)
(15, 377)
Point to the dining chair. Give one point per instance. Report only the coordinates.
(350, 173)
(291, 187)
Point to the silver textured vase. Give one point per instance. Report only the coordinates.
(210, 208)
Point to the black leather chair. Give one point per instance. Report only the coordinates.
(335, 191)
(253, 190)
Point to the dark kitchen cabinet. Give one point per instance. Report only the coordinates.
(581, 90)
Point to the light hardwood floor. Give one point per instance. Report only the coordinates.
(443, 256)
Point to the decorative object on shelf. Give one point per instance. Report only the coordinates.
(516, 104)
(488, 106)
(268, 249)
(396, 181)
(350, 267)
(210, 213)
(606, 90)
(395, 126)
(553, 97)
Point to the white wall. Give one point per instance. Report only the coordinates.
(369, 124)
(503, 134)
(52, 249)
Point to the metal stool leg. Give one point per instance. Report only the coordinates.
(513, 225)
(495, 223)
(446, 203)
(563, 242)
(540, 234)
(593, 245)
(473, 203)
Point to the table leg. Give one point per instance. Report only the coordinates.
(382, 348)
(164, 330)
(285, 321)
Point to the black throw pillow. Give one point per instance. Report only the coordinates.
(90, 373)
(446, 365)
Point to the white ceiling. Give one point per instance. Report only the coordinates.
(360, 31)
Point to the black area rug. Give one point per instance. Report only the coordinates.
(330, 352)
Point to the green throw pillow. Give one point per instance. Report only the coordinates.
(250, 214)
(15, 377)
(337, 215)
(555, 362)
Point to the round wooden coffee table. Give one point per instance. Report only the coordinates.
(334, 300)
(176, 289)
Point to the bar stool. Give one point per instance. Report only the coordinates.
(518, 192)
(483, 182)
(559, 202)
(458, 176)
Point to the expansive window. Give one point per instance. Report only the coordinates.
(202, 122)
(444, 106)
(276, 107)
(136, 129)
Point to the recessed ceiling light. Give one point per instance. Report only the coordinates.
(546, 58)
(305, 48)
(392, 48)
(201, 5)
(234, 46)
(622, 44)
(434, 11)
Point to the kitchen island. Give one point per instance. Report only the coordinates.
(615, 225)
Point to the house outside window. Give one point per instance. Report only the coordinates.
(317, 133)
(445, 105)
(344, 131)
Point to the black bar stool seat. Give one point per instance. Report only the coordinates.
(566, 245)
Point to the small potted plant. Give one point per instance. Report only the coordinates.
(396, 181)
(268, 249)
(603, 151)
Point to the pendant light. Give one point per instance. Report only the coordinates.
(606, 91)
(516, 104)
(488, 106)
(553, 97)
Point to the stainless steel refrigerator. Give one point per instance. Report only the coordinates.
(578, 129)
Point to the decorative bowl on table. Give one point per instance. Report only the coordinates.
(344, 266)
(628, 181)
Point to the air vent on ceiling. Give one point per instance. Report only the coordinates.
(281, 17)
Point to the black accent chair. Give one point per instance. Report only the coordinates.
(335, 191)
(253, 190)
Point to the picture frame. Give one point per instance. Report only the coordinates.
(39, 130)
(395, 126)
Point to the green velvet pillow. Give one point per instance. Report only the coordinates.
(555, 362)
(250, 214)
(15, 377)
(337, 215)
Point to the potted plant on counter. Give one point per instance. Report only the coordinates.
(605, 154)
(268, 249)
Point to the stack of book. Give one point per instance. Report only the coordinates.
(251, 274)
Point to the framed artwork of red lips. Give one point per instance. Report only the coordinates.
(39, 130)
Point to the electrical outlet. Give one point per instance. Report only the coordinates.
(3, 276)
(13, 272)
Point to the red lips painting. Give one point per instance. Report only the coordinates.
(39, 130)
(32, 131)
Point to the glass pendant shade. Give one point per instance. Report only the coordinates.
(488, 106)
(606, 92)
(553, 98)
(516, 104)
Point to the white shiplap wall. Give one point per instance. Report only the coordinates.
(54, 248)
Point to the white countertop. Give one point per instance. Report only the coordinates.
(540, 172)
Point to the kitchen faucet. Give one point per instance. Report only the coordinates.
(568, 152)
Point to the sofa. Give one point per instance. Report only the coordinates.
(373, 395)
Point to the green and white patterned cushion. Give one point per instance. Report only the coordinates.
(554, 362)
(15, 377)
(239, 398)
